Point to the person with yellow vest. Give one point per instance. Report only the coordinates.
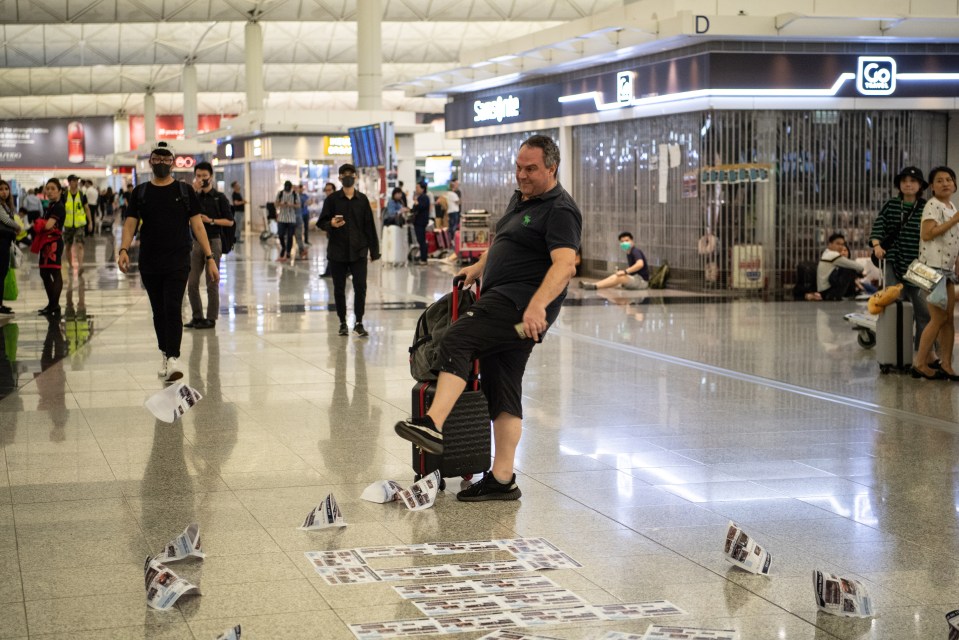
(77, 224)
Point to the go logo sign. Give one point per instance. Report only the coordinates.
(184, 162)
(876, 75)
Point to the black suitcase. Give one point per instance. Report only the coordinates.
(467, 444)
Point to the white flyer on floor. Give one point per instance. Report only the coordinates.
(952, 619)
(395, 629)
(474, 587)
(230, 634)
(347, 575)
(742, 551)
(657, 632)
(163, 586)
(336, 558)
(172, 402)
(326, 514)
(841, 596)
(429, 549)
(382, 491)
(463, 570)
(498, 602)
(634, 610)
(513, 634)
(422, 494)
(185, 545)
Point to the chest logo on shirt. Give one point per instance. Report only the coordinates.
(526, 220)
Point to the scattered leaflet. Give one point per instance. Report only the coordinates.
(337, 558)
(534, 548)
(841, 596)
(230, 634)
(326, 514)
(499, 602)
(512, 634)
(463, 570)
(474, 587)
(742, 551)
(172, 402)
(395, 629)
(481, 622)
(953, 619)
(422, 494)
(164, 587)
(657, 632)
(556, 560)
(347, 575)
(382, 492)
(631, 611)
(185, 545)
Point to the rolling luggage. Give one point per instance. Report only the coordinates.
(894, 337)
(394, 249)
(466, 432)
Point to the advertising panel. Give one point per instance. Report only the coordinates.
(56, 142)
(169, 128)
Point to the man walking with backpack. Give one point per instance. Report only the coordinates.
(524, 278)
(217, 217)
(168, 210)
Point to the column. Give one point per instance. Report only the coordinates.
(369, 54)
(190, 119)
(121, 132)
(150, 117)
(253, 43)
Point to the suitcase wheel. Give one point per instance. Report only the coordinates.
(866, 339)
(885, 368)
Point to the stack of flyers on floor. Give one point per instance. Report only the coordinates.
(513, 634)
(326, 514)
(953, 619)
(742, 551)
(422, 494)
(172, 402)
(230, 634)
(841, 596)
(163, 586)
(185, 545)
(382, 491)
(659, 632)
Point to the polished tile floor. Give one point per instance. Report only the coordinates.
(651, 421)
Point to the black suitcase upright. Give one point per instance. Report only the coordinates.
(466, 433)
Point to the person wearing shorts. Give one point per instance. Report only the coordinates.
(524, 278)
(635, 277)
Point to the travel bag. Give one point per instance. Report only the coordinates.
(894, 337)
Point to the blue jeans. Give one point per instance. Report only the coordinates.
(920, 311)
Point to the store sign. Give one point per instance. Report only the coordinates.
(624, 86)
(499, 109)
(338, 146)
(876, 75)
(184, 162)
(169, 127)
(56, 142)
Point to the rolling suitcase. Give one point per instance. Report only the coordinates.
(466, 433)
(394, 248)
(894, 337)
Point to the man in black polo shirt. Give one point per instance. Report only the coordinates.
(348, 219)
(215, 213)
(524, 279)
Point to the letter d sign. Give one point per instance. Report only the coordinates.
(876, 75)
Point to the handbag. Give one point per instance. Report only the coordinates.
(10, 288)
(922, 276)
(939, 294)
(16, 256)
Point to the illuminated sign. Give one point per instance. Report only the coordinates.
(624, 86)
(876, 75)
(499, 109)
(228, 150)
(338, 146)
(184, 162)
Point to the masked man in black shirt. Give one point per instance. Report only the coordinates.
(165, 211)
(348, 219)
(216, 214)
(524, 278)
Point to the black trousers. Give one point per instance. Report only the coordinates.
(420, 231)
(842, 284)
(338, 271)
(165, 291)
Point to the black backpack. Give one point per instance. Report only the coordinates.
(806, 280)
(433, 324)
(227, 234)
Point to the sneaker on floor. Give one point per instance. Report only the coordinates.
(489, 488)
(360, 330)
(205, 324)
(192, 323)
(422, 433)
(161, 372)
(344, 330)
(173, 370)
(6, 311)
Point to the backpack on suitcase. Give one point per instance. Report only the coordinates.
(466, 433)
(894, 337)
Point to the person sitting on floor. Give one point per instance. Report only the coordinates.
(636, 274)
(836, 275)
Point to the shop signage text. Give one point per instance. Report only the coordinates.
(876, 75)
(499, 109)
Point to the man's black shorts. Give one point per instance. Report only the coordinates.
(487, 331)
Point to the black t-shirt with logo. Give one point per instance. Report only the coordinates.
(165, 237)
(520, 254)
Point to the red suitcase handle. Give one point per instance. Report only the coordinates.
(458, 282)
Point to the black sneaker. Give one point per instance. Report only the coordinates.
(344, 330)
(205, 324)
(489, 488)
(359, 330)
(192, 324)
(422, 433)
(6, 311)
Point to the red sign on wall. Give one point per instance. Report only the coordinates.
(169, 128)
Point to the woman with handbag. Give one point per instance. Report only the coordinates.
(895, 239)
(8, 233)
(939, 249)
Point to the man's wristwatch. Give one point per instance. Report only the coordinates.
(124, 249)
(209, 257)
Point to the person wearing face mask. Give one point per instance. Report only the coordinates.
(348, 220)
(287, 211)
(216, 214)
(166, 211)
(636, 274)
